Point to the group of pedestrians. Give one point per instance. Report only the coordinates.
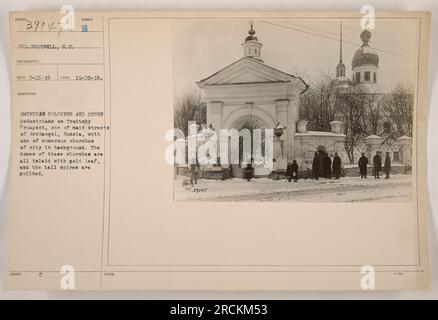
(377, 165)
(325, 165)
(322, 166)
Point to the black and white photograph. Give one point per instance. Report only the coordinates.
(309, 110)
(255, 152)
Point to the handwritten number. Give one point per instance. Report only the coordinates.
(36, 23)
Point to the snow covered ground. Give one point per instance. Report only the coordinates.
(398, 188)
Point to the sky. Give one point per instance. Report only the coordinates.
(303, 48)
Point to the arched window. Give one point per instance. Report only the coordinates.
(357, 77)
(367, 76)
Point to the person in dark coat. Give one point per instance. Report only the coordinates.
(248, 172)
(337, 166)
(387, 166)
(315, 166)
(274, 172)
(363, 163)
(327, 166)
(377, 162)
(292, 171)
(295, 170)
(289, 171)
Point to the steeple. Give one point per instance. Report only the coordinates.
(251, 46)
(340, 43)
(340, 68)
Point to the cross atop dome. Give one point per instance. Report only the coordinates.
(365, 36)
(251, 33)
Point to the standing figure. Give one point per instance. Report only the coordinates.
(387, 166)
(337, 166)
(248, 172)
(377, 162)
(289, 171)
(363, 163)
(315, 166)
(295, 170)
(327, 166)
(194, 173)
(292, 171)
(274, 172)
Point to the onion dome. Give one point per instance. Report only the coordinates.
(365, 55)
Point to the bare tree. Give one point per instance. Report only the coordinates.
(189, 107)
(399, 107)
(355, 104)
(318, 104)
(374, 114)
(362, 112)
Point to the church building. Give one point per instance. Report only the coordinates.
(249, 90)
(364, 68)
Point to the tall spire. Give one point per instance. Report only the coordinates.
(340, 68)
(340, 44)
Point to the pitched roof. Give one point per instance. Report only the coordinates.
(248, 70)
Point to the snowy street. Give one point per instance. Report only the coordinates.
(348, 189)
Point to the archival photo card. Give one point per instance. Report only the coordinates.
(218, 151)
(313, 110)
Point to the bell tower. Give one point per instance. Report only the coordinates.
(251, 46)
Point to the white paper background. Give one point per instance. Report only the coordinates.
(254, 5)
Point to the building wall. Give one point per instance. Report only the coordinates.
(308, 143)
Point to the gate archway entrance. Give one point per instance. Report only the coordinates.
(250, 123)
